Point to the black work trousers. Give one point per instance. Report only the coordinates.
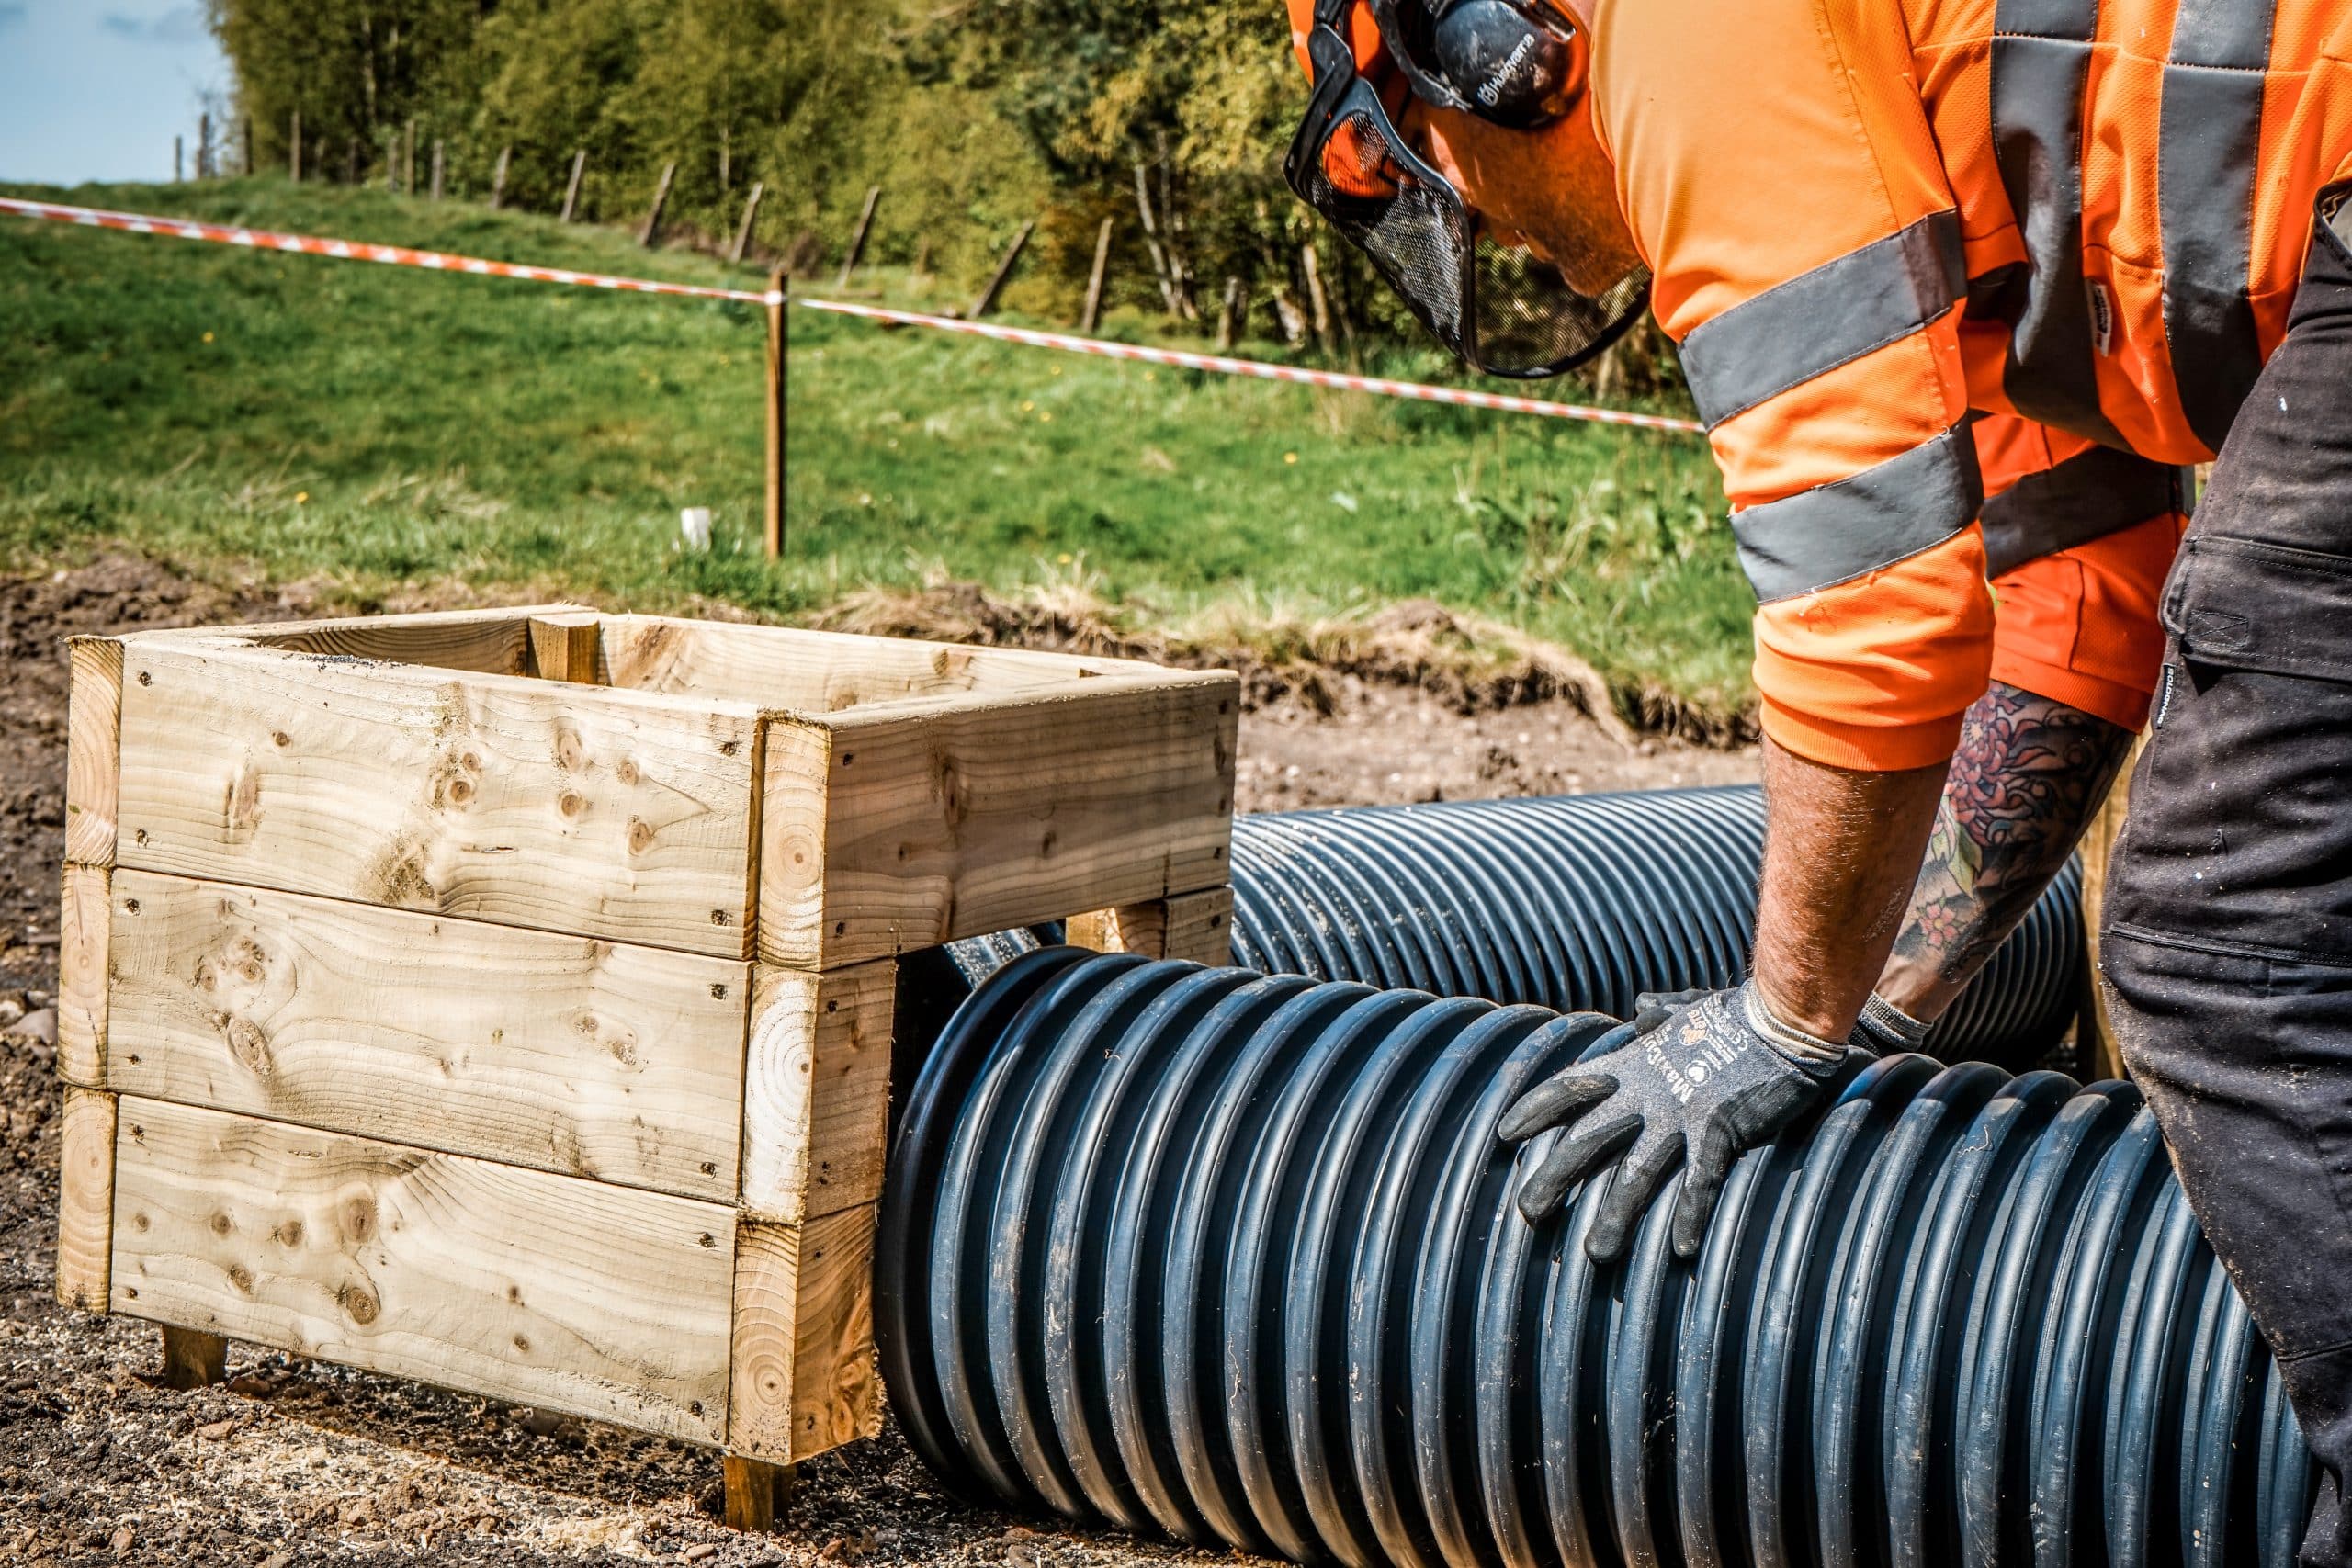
(2228, 944)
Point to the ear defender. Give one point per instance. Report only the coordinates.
(1511, 66)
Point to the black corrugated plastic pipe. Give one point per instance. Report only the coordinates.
(1233, 1257)
(1583, 902)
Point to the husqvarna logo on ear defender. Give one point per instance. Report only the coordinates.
(1491, 91)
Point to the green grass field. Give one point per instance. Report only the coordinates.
(376, 426)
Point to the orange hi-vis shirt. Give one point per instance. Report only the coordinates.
(1922, 252)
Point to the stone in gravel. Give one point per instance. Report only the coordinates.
(122, 1539)
(213, 1431)
(696, 1553)
(11, 1010)
(251, 1386)
(40, 1026)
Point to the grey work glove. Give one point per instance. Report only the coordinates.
(1885, 1030)
(1700, 1083)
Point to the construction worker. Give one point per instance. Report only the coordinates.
(1960, 286)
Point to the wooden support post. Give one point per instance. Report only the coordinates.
(652, 226)
(1195, 926)
(350, 162)
(245, 130)
(498, 177)
(179, 163)
(571, 189)
(750, 215)
(726, 170)
(294, 147)
(779, 359)
(987, 301)
(1094, 313)
(857, 239)
(437, 168)
(85, 1199)
(204, 147)
(192, 1358)
(1228, 318)
(756, 1492)
(564, 646)
(920, 275)
(408, 159)
(1312, 266)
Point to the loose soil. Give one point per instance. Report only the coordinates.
(298, 1463)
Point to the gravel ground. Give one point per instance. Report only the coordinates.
(299, 1462)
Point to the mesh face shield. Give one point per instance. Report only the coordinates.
(1501, 309)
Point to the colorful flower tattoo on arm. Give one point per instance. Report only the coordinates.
(2028, 773)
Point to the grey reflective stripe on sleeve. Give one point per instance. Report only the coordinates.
(2208, 133)
(1835, 313)
(2041, 57)
(2087, 496)
(1834, 533)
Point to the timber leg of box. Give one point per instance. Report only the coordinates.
(192, 1358)
(1196, 926)
(756, 1492)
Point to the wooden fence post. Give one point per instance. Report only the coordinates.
(294, 148)
(779, 345)
(204, 147)
(408, 160)
(245, 130)
(498, 177)
(987, 301)
(572, 190)
(921, 274)
(751, 215)
(178, 161)
(857, 240)
(1094, 281)
(660, 199)
(437, 168)
(1230, 316)
(350, 162)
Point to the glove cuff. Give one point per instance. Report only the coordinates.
(1807, 1053)
(1885, 1028)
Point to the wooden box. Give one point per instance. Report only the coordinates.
(503, 999)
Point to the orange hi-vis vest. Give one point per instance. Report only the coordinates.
(1921, 253)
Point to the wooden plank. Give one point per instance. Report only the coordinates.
(84, 972)
(192, 1358)
(486, 642)
(2102, 1057)
(583, 809)
(563, 646)
(85, 1198)
(544, 1290)
(805, 1378)
(93, 747)
(817, 1090)
(1197, 927)
(823, 672)
(941, 819)
(615, 1062)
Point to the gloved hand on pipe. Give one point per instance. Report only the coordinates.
(1697, 1084)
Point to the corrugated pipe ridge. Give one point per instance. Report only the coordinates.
(1581, 902)
(1233, 1258)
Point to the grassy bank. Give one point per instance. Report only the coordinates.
(376, 426)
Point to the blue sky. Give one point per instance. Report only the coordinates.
(96, 89)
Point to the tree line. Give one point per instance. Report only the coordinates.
(973, 117)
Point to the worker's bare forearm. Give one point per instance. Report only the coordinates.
(1839, 863)
(2028, 773)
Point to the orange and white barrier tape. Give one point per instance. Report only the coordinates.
(1071, 343)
